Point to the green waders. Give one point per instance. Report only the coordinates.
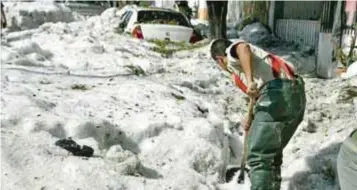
(347, 163)
(277, 114)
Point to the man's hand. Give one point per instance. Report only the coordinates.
(252, 90)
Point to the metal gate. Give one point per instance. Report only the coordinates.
(303, 32)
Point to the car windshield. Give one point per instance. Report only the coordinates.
(162, 17)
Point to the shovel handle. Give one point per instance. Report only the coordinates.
(250, 110)
(245, 146)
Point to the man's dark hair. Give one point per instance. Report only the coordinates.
(218, 47)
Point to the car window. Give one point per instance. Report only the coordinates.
(123, 15)
(126, 17)
(162, 17)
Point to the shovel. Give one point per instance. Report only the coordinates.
(230, 172)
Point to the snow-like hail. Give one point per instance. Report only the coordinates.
(159, 130)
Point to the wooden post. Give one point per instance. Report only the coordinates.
(217, 15)
(271, 16)
(258, 10)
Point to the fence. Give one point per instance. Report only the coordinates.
(303, 32)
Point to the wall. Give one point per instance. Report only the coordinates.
(325, 66)
(302, 10)
(165, 4)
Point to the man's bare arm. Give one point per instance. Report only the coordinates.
(245, 56)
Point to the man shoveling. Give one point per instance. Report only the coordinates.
(279, 97)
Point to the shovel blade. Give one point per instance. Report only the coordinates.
(233, 171)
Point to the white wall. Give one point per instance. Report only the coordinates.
(165, 4)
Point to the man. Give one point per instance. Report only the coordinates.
(280, 104)
(347, 163)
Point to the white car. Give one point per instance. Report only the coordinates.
(157, 23)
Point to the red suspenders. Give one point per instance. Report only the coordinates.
(239, 83)
(277, 64)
